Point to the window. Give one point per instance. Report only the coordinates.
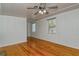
(34, 27)
(52, 25)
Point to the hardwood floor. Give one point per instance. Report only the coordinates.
(37, 47)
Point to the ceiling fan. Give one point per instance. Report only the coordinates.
(42, 9)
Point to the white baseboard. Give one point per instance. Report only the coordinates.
(9, 44)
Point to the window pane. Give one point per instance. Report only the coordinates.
(34, 27)
(52, 25)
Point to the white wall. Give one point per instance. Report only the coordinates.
(67, 29)
(12, 30)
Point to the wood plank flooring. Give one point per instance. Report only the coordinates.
(37, 47)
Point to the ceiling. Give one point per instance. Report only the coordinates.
(20, 9)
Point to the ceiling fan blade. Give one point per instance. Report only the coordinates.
(36, 13)
(30, 8)
(53, 7)
(35, 7)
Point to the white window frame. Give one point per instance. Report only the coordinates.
(52, 30)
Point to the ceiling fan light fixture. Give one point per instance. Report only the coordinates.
(41, 12)
(44, 11)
